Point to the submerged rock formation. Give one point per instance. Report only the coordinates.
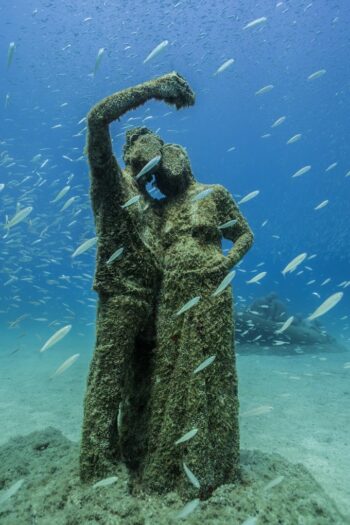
(261, 321)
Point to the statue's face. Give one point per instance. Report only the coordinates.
(144, 149)
(174, 171)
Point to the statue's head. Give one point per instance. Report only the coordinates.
(141, 146)
(174, 173)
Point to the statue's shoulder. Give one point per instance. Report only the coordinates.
(220, 192)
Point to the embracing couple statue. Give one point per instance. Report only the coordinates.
(158, 263)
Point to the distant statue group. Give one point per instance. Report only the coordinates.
(162, 387)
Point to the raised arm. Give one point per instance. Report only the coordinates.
(239, 233)
(171, 88)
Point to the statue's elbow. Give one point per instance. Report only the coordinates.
(94, 118)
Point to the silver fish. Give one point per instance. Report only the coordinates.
(326, 305)
(188, 305)
(105, 482)
(57, 336)
(264, 89)
(6, 494)
(204, 364)
(85, 246)
(149, 166)
(303, 170)
(249, 197)
(115, 256)
(66, 364)
(98, 59)
(317, 74)
(131, 201)
(202, 195)
(61, 194)
(18, 217)
(256, 22)
(256, 278)
(224, 283)
(156, 50)
(192, 478)
(224, 66)
(10, 53)
(186, 437)
(188, 508)
(227, 224)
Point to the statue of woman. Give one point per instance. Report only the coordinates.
(202, 405)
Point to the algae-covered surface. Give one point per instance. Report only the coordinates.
(52, 493)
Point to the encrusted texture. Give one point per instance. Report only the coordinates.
(145, 354)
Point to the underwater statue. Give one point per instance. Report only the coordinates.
(144, 404)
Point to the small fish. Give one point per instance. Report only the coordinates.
(303, 170)
(85, 246)
(2, 186)
(201, 195)
(7, 100)
(68, 203)
(327, 305)
(115, 256)
(149, 166)
(294, 139)
(263, 409)
(264, 89)
(11, 491)
(188, 508)
(10, 53)
(186, 437)
(227, 224)
(57, 336)
(331, 166)
(294, 263)
(249, 197)
(224, 283)
(317, 74)
(18, 217)
(278, 122)
(322, 205)
(256, 22)
(257, 278)
(61, 194)
(326, 281)
(66, 364)
(156, 50)
(273, 483)
(105, 482)
(192, 478)
(188, 305)
(204, 364)
(224, 66)
(131, 201)
(98, 59)
(285, 325)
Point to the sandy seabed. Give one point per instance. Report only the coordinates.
(305, 419)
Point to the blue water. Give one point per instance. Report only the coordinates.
(50, 83)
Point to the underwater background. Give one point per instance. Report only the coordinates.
(290, 60)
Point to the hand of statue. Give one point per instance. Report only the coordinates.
(174, 90)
